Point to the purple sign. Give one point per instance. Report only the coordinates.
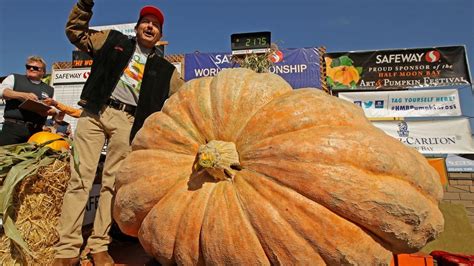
(299, 67)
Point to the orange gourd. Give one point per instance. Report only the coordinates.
(44, 136)
(241, 169)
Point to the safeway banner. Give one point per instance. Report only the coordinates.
(70, 76)
(397, 69)
(299, 67)
(451, 136)
(413, 103)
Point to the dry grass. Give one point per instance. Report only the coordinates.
(37, 205)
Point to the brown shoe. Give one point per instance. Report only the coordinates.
(102, 259)
(66, 261)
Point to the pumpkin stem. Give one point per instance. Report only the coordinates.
(220, 159)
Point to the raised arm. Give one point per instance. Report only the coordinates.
(78, 32)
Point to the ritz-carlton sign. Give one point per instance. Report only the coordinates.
(451, 136)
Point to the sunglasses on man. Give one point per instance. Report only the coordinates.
(35, 68)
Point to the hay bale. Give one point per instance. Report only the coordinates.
(37, 206)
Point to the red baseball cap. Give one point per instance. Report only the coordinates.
(154, 11)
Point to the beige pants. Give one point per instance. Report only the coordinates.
(90, 135)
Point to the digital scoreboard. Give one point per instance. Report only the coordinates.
(250, 42)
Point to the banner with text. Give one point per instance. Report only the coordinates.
(397, 69)
(68, 85)
(432, 137)
(299, 67)
(457, 163)
(81, 59)
(413, 103)
(70, 76)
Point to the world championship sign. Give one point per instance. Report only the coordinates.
(397, 69)
(299, 67)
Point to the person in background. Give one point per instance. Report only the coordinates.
(58, 125)
(20, 124)
(128, 82)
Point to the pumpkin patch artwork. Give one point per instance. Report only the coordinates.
(341, 73)
(241, 169)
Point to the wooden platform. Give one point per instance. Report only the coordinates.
(130, 252)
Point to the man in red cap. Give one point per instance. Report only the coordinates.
(128, 82)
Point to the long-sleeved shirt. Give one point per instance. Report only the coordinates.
(69, 110)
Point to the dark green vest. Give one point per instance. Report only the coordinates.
(109, 63)
(23, 84)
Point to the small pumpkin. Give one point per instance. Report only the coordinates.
(43, 136)
(344, 74)
(241, 169)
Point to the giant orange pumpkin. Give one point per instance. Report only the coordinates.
(44, 136)
(241, 169)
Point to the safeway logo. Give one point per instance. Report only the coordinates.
(276, 57)
(432, 56)
(86, 74)
(70, 76)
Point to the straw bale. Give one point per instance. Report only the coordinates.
(37, 205)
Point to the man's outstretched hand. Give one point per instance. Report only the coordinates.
(50, 102)
(51, 111)
(86, 5)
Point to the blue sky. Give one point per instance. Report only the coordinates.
(30, 27)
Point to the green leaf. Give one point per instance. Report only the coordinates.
(359, 70)
(12, 232)
(330, 82)
(345, 61)
(353, 85)
(340, 86)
